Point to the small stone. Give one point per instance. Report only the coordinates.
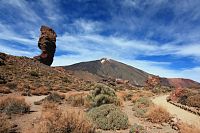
(164, 124)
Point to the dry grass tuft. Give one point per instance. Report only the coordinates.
(124, 96)
(5, 124)
(185, 128)
(43, 90)
(4, 90)
(158, 114)
(53, 97)
(13, 105)
(137, 95)
(77, 99)
(68, 121)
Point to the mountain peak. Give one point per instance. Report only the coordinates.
(104, 60)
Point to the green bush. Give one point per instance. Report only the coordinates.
(137, 129)
(108, 117)
(139, 112)
(141, 106)
(102, 94)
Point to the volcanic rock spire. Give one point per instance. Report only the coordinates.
(47, 43)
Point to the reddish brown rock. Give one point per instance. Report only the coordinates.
(2, 59)
(153, 81)
(47, 43)
(176, 94)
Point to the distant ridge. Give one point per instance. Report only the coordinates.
(105, 68)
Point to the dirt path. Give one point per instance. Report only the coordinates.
(185, 116)
(25, 122)
(149, 127)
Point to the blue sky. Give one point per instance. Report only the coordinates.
(161, 37)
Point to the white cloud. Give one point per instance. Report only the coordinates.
(23, 9)
(17, 52)
(87, 26)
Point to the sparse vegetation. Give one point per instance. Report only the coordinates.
(141, 106)
(66, 80)
(136, 128)
(77, 99)
(108, 117)
(53, 97)
(13, 105)
(34, 73)
(68, 121)
(4, 90)
(193, 101)
(102, 94)
(157, 114)
(5, 125)
(11, 85)
(185, 128)
(138, 94)
(43, 90)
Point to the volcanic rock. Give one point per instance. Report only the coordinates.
(47, 43)
(2, 59)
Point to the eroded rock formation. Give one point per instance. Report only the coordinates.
(47, 43)
(153, 81)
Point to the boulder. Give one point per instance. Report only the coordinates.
(2, 59)
(47, 44)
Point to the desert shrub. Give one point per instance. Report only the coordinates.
(66, 80)
(193, 101)
(138, 94)
(108, 117)
(76, 99)
(185, 128)
(53, 97)
(129, 95)
(102, 94)
(157, 114)
(125, 95)
(141, 106)
(122, 95)
(5, 125)
(143, 102)
(13, 105)
(11, 85)
(136, 128)
(183, 100)
(34, 73)
(4, 90)
(68, 121)
(140, 112)
(43, 90)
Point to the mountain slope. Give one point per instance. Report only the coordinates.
(26, 74)
(106, 68)
(112, 68)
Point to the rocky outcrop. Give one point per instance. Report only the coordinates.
(153, 81)
(47, 44)
(176, 94)
(2, 59)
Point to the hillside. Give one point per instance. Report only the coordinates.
(105, 68)
(26, 75)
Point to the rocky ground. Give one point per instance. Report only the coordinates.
(25, 83)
